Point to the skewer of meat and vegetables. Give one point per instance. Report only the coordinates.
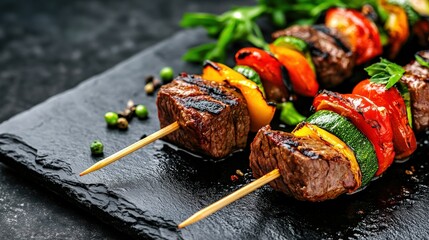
(349, 140)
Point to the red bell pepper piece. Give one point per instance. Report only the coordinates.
(301, 74)
(361, 32)
(268, 68)
(404, 140)
(370, 119)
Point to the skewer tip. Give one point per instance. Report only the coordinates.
(191, 220)
(203, 213)
(133, 147)
(95, 167)
(180, 226)
(91, 169)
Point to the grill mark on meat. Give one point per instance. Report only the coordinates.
(278, 138)
(214, 92)
(309, 153)
(202, 105)
(317, 52)
(338, 41)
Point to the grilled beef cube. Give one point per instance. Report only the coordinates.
(416, 78)
(330, 51)
(213, 117)
(310, 170)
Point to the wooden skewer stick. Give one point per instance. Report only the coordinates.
(203, 213)
(133, 147)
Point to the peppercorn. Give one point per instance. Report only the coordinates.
(111, 118)
(122, 123)
(149, 88)
(96, 147)
(130, 104)
(166, 74)
(141, 111)
(127, 113)
(156, 83)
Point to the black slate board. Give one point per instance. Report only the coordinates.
(149, 192)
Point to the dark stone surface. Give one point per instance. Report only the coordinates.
(49, 46)
(147, 193)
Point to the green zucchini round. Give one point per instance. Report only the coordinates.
(349, 134)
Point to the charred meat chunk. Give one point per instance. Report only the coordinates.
(213, 118)
(310, 170)
(416, 79)
(330, 51)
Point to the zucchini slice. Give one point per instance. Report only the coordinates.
(348, 133)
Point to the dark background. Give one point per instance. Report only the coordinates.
(47, 47)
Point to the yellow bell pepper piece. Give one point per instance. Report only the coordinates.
(261, 113)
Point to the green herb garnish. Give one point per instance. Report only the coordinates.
(231, 26)
(240, 24)
(422, 61)
(385, 72)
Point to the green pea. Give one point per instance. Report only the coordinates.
(166, 74)
(141, 111)
(96, 147)
(111, 118)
